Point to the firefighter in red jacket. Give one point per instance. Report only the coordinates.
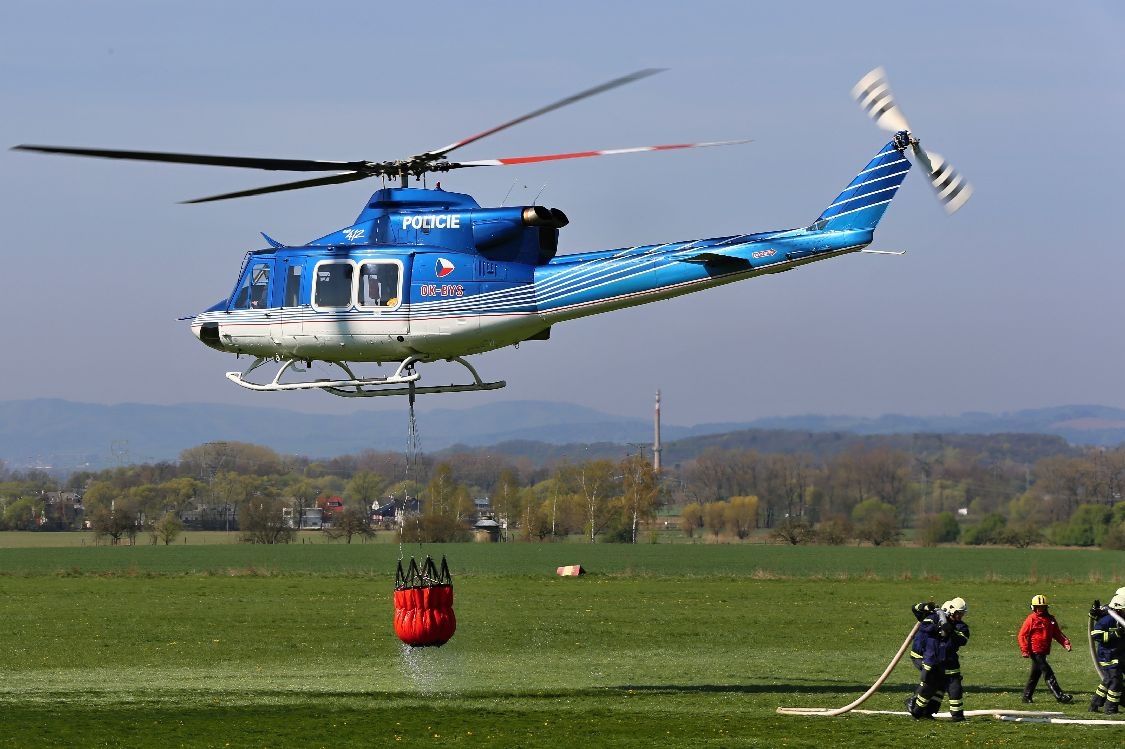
(1035, 637)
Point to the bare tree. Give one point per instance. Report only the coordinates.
(596, 484)
(167, 528)
(641, 491)
(262, 521)
(353, 521)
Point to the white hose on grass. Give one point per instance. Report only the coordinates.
(828, 712)
(1049, 719)
(1030, 716)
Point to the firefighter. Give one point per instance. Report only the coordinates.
(943, 632)
(958, 638)
(930, 618)
(1108, 635)
(1035, 637)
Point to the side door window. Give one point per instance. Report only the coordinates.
(380, 285)
(293, 285)
(332, 284)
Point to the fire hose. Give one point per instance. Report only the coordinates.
(829, 712)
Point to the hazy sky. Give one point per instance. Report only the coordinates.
(1012, 303)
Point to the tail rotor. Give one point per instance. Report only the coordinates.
(874, 95)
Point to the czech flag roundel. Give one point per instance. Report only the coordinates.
(443, 267)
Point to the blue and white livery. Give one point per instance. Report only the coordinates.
(424, 275)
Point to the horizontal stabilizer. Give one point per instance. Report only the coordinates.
(715, 260)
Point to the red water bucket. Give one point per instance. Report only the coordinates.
(424, 604)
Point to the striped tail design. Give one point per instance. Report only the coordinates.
(862, 203)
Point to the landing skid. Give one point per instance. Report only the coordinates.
(402, 382)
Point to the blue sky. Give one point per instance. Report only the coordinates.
(1012, 303)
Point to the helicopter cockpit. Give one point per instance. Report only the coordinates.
(253, 292)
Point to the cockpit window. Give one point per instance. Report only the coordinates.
(253, 293)
(379, 284)
(332, 286)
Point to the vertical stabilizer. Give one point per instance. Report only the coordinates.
(863, 201)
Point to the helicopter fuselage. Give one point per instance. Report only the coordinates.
(430, 274)
(424, 275)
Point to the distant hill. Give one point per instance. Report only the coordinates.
(67, 435)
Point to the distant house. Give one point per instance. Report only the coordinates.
(61, 510)
(203, 516)
(486, 529)
(304, 518)
(330, 507)
(395, 510)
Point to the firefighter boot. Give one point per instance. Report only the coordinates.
(1056, 690)
(957, 715)
(1096, 702)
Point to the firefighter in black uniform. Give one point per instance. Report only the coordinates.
(932, 644)
(1108, 634)
(958, 638)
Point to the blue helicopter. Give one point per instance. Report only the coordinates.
(427, 275)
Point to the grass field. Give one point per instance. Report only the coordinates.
(215, 645)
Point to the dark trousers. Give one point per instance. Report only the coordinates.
(956, 693)
(1039, 667)
(929, 688)
(1109, 691)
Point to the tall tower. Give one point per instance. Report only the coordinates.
(656, 436)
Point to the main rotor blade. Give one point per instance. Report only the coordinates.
(246, 162)
(874, 94)
(586, 154)
(334, 179)
(549, 108)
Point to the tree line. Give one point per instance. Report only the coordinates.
(1000, 489)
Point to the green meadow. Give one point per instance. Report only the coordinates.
(215, 644)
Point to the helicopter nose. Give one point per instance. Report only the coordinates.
(209, 334)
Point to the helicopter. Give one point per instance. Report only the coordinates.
(426, 275)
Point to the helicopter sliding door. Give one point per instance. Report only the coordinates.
(357, 309)
(294, 289)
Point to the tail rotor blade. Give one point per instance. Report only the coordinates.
(951, 188)
(874, 94)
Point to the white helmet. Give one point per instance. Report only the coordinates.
(1117, 603)
(1120, 592)
(954, 606)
